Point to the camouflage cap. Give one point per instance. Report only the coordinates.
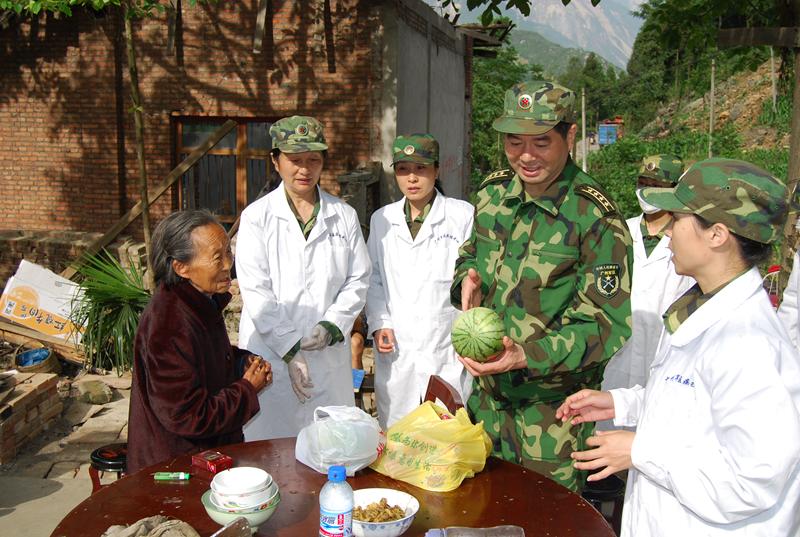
(421, 148)
(747, 199)
(297, 134)
(535, 107)
(663, 168)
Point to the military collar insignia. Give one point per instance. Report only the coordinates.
(302, 130)
(524, 101)
(607, 279)
(408, 150)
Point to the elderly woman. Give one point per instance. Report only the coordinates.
(191, 389)
(718, 425)
(303, 271)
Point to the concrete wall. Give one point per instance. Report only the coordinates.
(425, 60)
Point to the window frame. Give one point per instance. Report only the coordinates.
(241, 153)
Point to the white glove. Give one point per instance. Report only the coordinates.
(319, 338)
(301, 381)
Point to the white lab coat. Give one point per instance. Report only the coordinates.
(717, 444)
(654, 288)
(790, 305)
(288, 285)
(409, 292)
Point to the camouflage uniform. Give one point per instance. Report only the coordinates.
(757, 212)
(419, 148)
(297, 134)
(556, 268)
(656, 170)
(666, 169)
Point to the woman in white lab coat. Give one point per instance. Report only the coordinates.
(790, 305)
(715, 451)
(413, 245)
(655, 283)
(303, 271)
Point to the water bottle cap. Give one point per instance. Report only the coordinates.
(336, 474)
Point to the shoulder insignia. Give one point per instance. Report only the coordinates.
(496, 177)
(598, 197)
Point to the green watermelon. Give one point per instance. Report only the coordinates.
(478, 334)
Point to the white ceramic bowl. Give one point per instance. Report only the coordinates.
(222, 518)
(241, 480)
(223, 503)
(364, 497)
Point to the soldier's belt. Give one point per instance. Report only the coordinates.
(552, 389)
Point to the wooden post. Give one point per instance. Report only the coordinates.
(774, 79)
(711, 109)
(583, 127)
(782, 37)
(138, 119)
(790, 232)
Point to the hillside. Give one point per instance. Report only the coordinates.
(739, 103)
(535, 48)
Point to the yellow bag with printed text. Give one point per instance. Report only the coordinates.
(433, 449)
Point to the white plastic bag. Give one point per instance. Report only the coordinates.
(343, 435)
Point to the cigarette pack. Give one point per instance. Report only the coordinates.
(212, 461)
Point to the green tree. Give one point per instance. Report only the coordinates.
(491, 78)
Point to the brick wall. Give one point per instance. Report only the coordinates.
(67, 157)
(54, 250)
(30, 409)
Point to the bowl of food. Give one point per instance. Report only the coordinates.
(382, 512)
(254, 519)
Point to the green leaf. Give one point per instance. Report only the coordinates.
(108, 305)
(486, 17)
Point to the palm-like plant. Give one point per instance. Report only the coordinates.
(108, 305)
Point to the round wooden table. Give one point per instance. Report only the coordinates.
(503, 493)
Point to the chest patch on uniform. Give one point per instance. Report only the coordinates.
(606, 279)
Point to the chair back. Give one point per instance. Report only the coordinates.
(439, 389)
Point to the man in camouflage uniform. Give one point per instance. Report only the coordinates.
(551, 254)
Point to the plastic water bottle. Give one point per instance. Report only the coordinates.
(336, 505)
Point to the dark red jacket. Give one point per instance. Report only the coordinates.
(187, 395)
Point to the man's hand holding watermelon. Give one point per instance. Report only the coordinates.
(511, 356)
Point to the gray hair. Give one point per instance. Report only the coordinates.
(172, 240)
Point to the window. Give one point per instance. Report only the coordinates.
(231, 174)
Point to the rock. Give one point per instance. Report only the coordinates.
(80, 411)
(736, 111)
(122, 382)
(95, 392)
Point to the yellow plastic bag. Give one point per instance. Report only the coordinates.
(433, 449)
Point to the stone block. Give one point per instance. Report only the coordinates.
(122, 382)
(78, 412)
(52, 412)
(95, 392)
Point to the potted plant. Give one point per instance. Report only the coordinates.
(108, 305)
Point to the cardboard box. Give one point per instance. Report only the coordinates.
(211, 461)
(41, 300)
